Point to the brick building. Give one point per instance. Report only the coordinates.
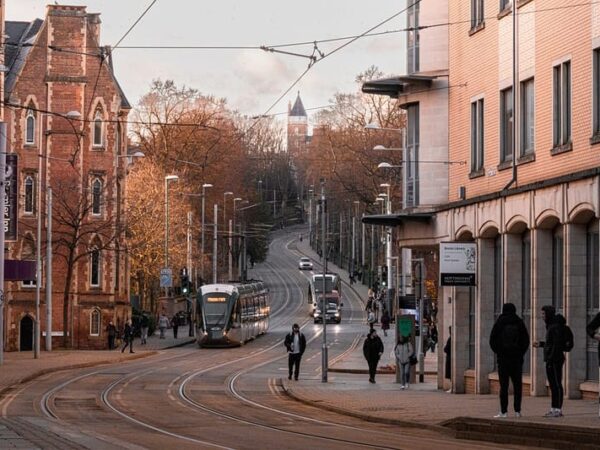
(66, 116)
(297, 128)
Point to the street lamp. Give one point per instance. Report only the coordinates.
(225, 194)
(385, 165)
(204, 186)
(167, 179)
(235, 200)
(388, 245)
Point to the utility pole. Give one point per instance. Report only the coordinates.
(421, 286)
(362, 245)
(310, 195)
(230, 253)
(49, 275)
(2, 237)
(216, 218)
(324, 304)
(189, 243)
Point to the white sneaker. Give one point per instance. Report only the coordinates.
(517, 415)
(406, 386)
(402, 386)
(501, 416)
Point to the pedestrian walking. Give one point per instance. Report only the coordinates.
(163, 323)
(295, 343)
(448, 352)
(433, 336)
(128, 334)
(559, 339)
(385, 321)
(144, 325)
(175, 325)
(369, 306)
(371, 319)
(404, 351)
(351, 277)
(111, 333)
(372, 350)
(509, 340)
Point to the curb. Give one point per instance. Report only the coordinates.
(365, 371)
(366, 417)
(5, 390)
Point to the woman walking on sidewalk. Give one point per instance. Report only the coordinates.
(403, 351)
(372, 349)
(385, 321)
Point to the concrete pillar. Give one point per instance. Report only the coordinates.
(541, 247)
(513, 267)
(460, 338)
(484, 315)
(575, 305)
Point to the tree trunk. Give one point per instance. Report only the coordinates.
(67, 290)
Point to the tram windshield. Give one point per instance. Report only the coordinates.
(329, 285)
(215, 309)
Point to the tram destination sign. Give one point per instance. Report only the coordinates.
(458, 263)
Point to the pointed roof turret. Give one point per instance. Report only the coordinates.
(298, 108)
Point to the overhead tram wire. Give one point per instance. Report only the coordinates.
(134, 24)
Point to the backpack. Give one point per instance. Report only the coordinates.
(567, 339)
(510, 339)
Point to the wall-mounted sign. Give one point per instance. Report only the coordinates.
(10, 200)
(458, 263)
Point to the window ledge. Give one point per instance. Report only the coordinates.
(505, 12)
(476, 28)
(505, 165)
(98, 147)
(527, 158)
(564, 148)
(30, 145)
(595, 139)
(477, 173)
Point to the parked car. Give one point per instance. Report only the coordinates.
(305, 264)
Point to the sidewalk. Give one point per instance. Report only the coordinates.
(465, 416)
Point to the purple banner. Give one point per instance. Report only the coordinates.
(10, 201)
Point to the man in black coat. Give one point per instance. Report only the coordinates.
(295, 343)
(128, 334)
(372, 349)
(593, 332)
(509, 340)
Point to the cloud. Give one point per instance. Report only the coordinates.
(266, 74)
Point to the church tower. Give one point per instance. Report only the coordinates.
(297, 128)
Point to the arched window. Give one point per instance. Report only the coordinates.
(28, 254)
(29, 194)
(95, 269)
(30, 127)
(97, 197)
(95, 322)
(98, 130)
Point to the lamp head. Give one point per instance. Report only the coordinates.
(372, 126)
(380, 147)
(207, 185)
(228, 193)
(386, 185)
(73, 115)
(237, 199)
(384, 165)
(172, 177)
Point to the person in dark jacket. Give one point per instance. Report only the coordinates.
(509, 340)
(593, 332)
(295, 343)
(128, 334)
(448, 352)
(372, 349)
(385, 321)
(175, 325)
(111, 332)
(554, 356)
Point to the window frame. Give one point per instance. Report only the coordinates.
(507, 117)
(95, 321)
(477, 14)
(596, 93)
(30, 117)
(505, 5)
(527, 115)
(32, 257)
(562, 105)
(412, 39)
(477, 136)
(98, 130)
(411, 156)
(97, 197)
(29, 197)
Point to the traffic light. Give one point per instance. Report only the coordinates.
(384, 275)
(185, 282)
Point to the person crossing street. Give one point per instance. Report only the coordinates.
(295, 343)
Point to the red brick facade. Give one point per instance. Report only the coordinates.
(56, 67)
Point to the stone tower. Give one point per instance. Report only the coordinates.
(297, 128)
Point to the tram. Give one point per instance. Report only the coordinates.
(228, 315)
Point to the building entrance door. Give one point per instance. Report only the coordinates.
(26, 334)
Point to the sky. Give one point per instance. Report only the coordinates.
(251, 80)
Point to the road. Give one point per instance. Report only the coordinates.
(213, 398)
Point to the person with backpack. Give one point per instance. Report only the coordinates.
(559, 339)
(509, 340)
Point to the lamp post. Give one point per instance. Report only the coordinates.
(167, 179)
(204, 186)
(235, 200)
(388, 246)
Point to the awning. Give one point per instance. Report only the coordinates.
(394, 220)
(396, 86)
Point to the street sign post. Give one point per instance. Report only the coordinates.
(166, 277)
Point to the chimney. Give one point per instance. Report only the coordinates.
(93, 20)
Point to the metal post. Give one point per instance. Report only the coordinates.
(49, 275)
(353, 243)
(362, 246)
(2, 232)
(421, 333)
(244, 258)
(372, 265)
(310, 193)
(230, 256)
(189, 243)
(216, 218)
(341, 264)
(323, 305)
(166, 223)
(202, 238)
(274, 203)
(388, 250)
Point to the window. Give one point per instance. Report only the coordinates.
(592, 293)
(527, 118)
(413, 38)
(98, 130)
(30, 127)
(95, 267)
(506, 125)
(596, 88)
(411, 166)
(477, 136)
(29, 195)
(505, 5)
(477, 18)
(95, 321)
(557, 269)
(97, 197)
(562, 104)
(526, 289)
(28, 253)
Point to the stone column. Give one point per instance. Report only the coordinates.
(513, 266)
(484, 315)
(460, 338)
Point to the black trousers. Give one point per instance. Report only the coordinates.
(175, 332)
(127, 342)
(510, 371)
(294, 364)
(372, 368)
(554, 374)
(111, 342)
